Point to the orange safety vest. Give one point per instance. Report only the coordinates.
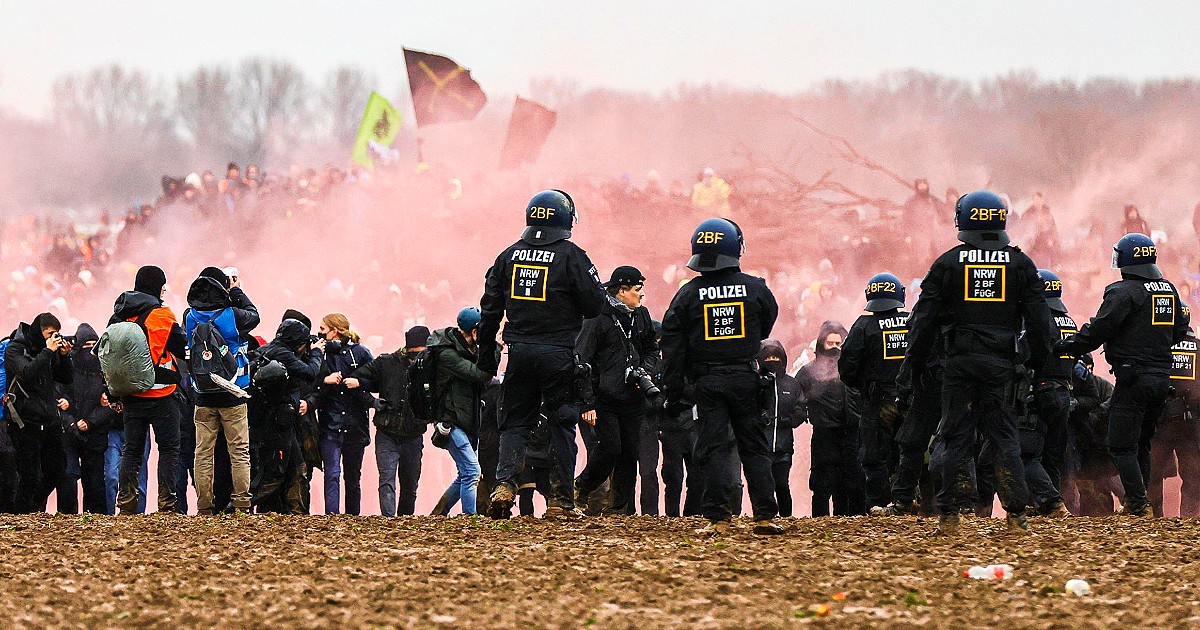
(159, 324)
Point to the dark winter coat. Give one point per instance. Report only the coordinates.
(84, 394)
(342, 410)
(273, 410)
(208, 295)
(32, 370)
(460, 383)
(614, 341)
(387, 376)
(785, 404)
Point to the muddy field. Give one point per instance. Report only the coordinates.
(253, 571)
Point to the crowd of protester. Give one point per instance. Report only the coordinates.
(336, 398)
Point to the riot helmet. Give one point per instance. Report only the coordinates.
(549, 217)
(884, 292)
(981, 217)
(1136, 255)
(716, 244)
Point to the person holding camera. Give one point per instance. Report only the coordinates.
(37, 357)
(343, 413)
(621, 347)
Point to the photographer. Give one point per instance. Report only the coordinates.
(343, 414)
(37, 357)
(622, 349)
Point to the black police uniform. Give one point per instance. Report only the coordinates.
(870, 360)
(979, 298)
(711, 336)
(1044, 432)
(546, 290)
(1175, 449)
(1138, 322)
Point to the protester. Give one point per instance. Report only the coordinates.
(343, 414)
(86, 423)
(399, 433)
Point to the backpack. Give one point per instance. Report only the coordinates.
(3, 376)
(208, 355)
(124, 352)
(422, 384)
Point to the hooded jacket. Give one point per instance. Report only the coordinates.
(785, 404)
(301, 369)
(208, 297)
(830, 403)
(617, 339)
(32, 370)
(167, 343)
(84, 393)
(460, 383)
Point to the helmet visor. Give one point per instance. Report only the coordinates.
(1116, 256)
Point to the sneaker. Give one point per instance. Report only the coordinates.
(947, 525)
(1058, 511)
(715, 529)
(501, 502)
(768, 528)
(1144, 511)
(895, 509)
(1017, 523)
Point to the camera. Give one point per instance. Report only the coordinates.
(638, 376)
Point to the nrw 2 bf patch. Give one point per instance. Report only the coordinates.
(895, 344)
(1164, 309)
(724, 321)
(985, 283)
(1183, 361)
(529, 282)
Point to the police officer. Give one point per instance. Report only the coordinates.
(1139, 320)
(978, 293)
(711, 337)
(1174, 449)
(1044, 443)
(870, 360)
(546, 285)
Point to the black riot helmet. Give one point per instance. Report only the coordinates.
(1052, 287)
(981, 217)
(716, 244)
(884, 292)
(1136, 255)
(549, 216)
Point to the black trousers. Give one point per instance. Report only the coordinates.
(648, 452)
(539, 377)
(912, 438)
(728, 400)
(40, 463)
(618, 437)
(877, 453)
(1136, 404)
(90, 464)
(140, 415)
(678, 457)
(835, 475)
(976, 400)
(781, 470)
(1175, 450)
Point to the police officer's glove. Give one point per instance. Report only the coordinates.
(675, 406)
(488, 362)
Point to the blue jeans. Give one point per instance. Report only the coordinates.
(112, 469)
(335, 455)
(467, 483)
(398, 459)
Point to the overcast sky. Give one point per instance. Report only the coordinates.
(784, 45)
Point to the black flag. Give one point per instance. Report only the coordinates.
(528, 129)
(442, 90)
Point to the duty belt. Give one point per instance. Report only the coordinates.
(704, 369)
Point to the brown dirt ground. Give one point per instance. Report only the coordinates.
(255, 571)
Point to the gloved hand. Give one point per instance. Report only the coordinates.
(1081, 370)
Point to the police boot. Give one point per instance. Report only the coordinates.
(715, 529)
(1017, 523)
(768, 528)
(895, 509)
(502, 501)
(947, 525)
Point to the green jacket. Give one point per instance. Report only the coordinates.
(459, 383)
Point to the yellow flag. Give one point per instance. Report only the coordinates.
(380, 124)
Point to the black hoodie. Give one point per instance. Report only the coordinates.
(830, 403)
(133, 304)
(84, 393)
(32, 370)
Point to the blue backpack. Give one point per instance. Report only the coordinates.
(3, 376)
